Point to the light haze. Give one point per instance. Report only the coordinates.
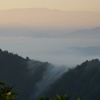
(63, 32)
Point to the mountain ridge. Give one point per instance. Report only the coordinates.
(30, 76)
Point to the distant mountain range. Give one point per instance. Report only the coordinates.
(32, 78)
(85, 33)
(50, 33)
(48, 18)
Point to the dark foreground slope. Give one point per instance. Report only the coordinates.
(34, 78)
(82, 81)
(15, 71)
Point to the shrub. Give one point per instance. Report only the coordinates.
(6, 92)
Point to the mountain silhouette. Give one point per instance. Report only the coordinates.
(32, 78)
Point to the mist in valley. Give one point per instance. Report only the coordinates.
(50, 52)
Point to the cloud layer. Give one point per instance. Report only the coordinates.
(50, 35)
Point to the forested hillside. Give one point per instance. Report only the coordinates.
(82, 81)
(14, 71)
(32, 78)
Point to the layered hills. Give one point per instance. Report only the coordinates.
(32, 78)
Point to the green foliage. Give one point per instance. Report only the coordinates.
(43, 98)
(65, 97)
(58, 97)
(6, 93)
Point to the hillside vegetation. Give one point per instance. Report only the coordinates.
(25, 75)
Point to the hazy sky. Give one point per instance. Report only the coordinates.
(58, 31)
(66, 5)
(46, 18)
(50, 13)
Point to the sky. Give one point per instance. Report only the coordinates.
(66, 5)
(63, 32)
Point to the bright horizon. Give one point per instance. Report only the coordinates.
(65, 5)
(50, 14)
